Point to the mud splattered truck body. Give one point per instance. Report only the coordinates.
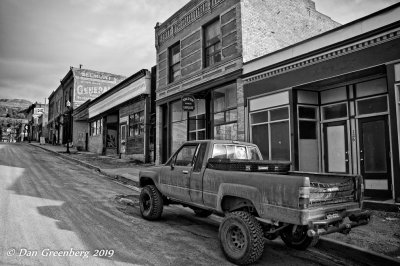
(258, 198)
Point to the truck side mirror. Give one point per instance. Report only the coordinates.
(172, 166)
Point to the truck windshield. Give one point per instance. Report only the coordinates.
(232, 151)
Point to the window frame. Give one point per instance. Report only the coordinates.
(214, 42)
(136, 121)
(172, 64)
(268, 124)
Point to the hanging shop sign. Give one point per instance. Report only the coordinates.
(188, 103)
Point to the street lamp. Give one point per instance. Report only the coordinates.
(68, 124)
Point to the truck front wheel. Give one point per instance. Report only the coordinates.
(151, 203)
(241, 238)
(295, 236)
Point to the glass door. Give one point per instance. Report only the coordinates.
(336, 147)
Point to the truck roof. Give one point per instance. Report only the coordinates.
(216, 141)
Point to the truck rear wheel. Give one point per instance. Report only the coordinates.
(151, 203)
(295, 236)
(241, 238)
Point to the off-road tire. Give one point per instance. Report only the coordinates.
(298, 239)
(151, 203)
(241, 238)
(202, 213)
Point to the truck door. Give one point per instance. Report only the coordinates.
(176, 175)
(196, 179)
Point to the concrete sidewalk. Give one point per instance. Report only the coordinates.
(122, 170)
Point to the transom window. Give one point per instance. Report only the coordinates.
(174, 62)
(212, 39)
(334, 111)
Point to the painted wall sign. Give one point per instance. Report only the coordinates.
(188, 103)
(38, 111)
(90, 84)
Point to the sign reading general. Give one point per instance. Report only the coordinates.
(188, 103)
(90, 84)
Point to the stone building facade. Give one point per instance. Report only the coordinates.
(200, 52)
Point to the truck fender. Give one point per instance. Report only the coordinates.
(148, 178)
(247, 193)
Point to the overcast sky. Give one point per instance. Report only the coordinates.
(41, 39)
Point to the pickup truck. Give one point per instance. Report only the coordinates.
(258, 198)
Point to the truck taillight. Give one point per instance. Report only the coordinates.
(304, 197)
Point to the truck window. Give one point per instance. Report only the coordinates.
(240, 152)
(200, 157)
(185, 155)
(253, 153)
(219, 151)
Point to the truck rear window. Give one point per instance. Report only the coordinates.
(232, 151)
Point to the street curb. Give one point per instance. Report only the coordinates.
(378, 206)
(69, 158)
(119, 178)
(358, 254)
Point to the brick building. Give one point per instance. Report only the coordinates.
(200, 52)
(78, 86)
(331, 103)
(34, 112)
(54, 126)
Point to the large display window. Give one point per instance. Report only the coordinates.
(270, 131)
(178, 126)
(225, 113)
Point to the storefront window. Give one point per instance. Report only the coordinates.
(270, 131)
(308, 138)
(178, 126)
(225, 113)
(136, 124)
(197, 121)
(96, 127)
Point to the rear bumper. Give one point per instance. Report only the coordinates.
(337, 224)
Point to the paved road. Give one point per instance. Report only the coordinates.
(53, 212)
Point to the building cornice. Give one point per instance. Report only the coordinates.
(177, 23)
(312, 58)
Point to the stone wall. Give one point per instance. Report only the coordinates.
(270, 25)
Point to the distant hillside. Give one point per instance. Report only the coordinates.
(12, 107)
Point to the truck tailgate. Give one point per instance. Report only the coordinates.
(332, 188)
